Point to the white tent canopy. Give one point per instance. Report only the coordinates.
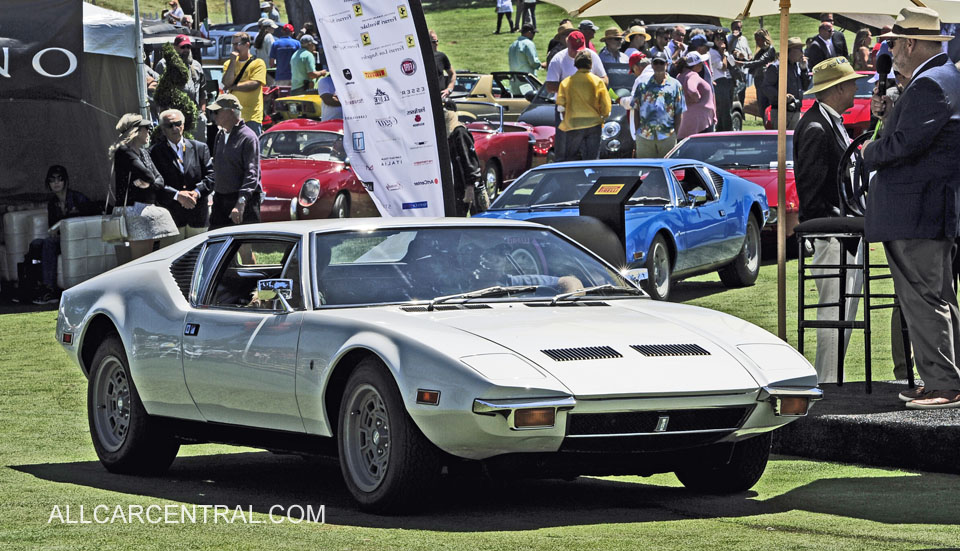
(949, 10)
(107, 32)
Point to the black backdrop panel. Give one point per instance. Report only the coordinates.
(41, 45)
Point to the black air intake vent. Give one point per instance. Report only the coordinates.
(717, 181)
(446, 307)
(414, 308)
(660, 350)
(580, 354)
(578, 303)
(476, 306)
(182, 270)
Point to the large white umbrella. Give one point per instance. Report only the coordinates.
(949, 11)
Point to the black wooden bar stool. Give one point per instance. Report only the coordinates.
(847, 229)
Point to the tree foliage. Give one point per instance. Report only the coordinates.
(170, 94)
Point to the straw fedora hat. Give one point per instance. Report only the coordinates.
(563, 30)
(612, 32)
(634, 31)
(831, 72)
(918, 24)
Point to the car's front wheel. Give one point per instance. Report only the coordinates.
(492, 179)
(745, 268)
(746, 466)
(658, 282)
(387, 463)
(126, 439)
(341, 206)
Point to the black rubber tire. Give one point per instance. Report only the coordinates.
(414, 463)
(492, 168)
(736, 120)
(147, 447)
(658, 246)
(341, 206)
(739, 272)
(746, 466)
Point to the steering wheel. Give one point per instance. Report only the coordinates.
(853, 178)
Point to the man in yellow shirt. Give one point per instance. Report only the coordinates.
(584, 103)
(244, 76)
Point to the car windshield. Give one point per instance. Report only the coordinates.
(564, 187)
(730, 152)
(317, 145)
(465, 83)
(413, 264)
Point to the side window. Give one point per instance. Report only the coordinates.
(246, 262)
(692, 181)
(205, 268)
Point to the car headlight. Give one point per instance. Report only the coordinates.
(309, 192)
(613, 145)
(779, 362)
(611, 129)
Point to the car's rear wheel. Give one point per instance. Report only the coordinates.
(492, 179)
(126, 439)
(745, 268)
(658, 282)
(387, 463)
(746, 466)
(341, 206)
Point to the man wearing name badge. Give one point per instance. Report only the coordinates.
(236, 163)
(244, 76)
(913, 205)
(818, 145)
(561, 67)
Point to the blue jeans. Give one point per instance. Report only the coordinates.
(46, 251)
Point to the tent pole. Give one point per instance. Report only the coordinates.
(141, 74)
(782, 172)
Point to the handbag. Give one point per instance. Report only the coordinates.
(113, 226)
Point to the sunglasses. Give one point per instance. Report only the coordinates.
(435, 41)
(174, 124)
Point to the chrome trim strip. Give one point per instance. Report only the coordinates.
(730, 429)
(491, 407)
(768, 392)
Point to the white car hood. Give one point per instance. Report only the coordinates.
(528, 331)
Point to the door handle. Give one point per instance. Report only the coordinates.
(723, 212)
(191, 329)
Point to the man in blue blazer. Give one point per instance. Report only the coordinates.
(913, 205)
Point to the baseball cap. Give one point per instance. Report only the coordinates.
(180, 40)
(289, 28)
(659, 57)
(266, 21)
(264, 5)
(587, 24)
(692, 58)
(636, 58)
(577, 40)
(307, 39)
(700, 40)
(225, 101)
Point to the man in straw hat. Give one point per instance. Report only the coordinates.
(611, 52)
(818, 145)
(913, 205)
(798, 80)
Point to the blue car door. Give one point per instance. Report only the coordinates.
(702, 216)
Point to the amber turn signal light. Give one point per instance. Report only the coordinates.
(534, 418)
(428, 397)
(792, 405)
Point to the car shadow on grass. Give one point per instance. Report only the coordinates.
(260, 480)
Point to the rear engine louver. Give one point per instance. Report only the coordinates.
(717, 181)
(182, 270)
(660, 350)
(580, 354)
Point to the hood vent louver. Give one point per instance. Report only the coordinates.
(581, 354)
(661, 350)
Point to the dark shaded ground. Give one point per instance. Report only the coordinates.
(852, 426)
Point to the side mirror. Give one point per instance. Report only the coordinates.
(697, 197)
(276, 289)
(530, 96)
(636, 275)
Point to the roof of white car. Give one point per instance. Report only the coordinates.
(309, 226)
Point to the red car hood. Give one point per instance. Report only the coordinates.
(856, 119)
(768, 179)
(283, 177)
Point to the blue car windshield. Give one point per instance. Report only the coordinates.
(409, 264)
(726, 152)
(564, 187)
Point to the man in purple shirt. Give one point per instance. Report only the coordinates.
(236, 166)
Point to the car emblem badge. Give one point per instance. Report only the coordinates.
(662, 423)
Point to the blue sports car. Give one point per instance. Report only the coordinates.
(686, 218)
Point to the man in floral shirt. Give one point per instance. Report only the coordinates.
(657, 107)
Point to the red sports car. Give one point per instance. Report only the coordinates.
(305, 172)
(752, 156)
(857, 118)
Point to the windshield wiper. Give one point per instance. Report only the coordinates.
(575, 295)
(560, 204)
(479, 293)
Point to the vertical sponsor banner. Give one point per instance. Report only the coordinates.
(41, 42)
(382, 66)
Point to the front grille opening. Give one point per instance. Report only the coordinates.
(580, 354)
(640, 422)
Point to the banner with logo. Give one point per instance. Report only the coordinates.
(41, 42)
(385, 84)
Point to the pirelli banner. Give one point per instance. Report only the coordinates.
(382, 66)
(41, 42)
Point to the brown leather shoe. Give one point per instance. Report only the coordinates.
(937, 399)
(912, 394)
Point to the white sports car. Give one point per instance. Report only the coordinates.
(414, 347)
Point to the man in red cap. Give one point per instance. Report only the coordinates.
(194, 85)
(562, 67)
(281, 52)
